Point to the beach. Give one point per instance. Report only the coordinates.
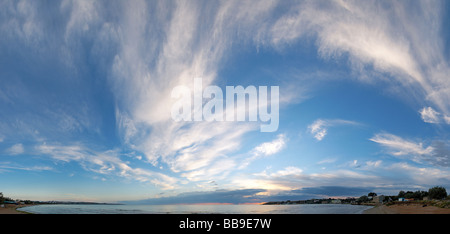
(11, 209)
(407, 209)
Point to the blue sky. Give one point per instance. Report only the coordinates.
(85, 99)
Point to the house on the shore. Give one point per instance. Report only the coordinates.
(402, 199)
(10, 202)
(378, 199)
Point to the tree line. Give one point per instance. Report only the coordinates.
(434, 193)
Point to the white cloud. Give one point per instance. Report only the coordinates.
(196, 146)
(447, 119)
(320, 127)
(403, 41)
(145, 49)
(317, 128)
(16, 149)
(288, 171)
(429, 115)
(265, 149)
(400, 147)
(214, 164)
(273, 147)
(217, 170)
(190, 43)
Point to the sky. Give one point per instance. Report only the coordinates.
(85, 99)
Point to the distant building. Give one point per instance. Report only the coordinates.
(336, 201)
(10, 202)
(405, 199)
(378, 199)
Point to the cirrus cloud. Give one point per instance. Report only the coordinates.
(437, 153)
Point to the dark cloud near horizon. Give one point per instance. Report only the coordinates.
(220, 196)
(337, 191)
(251, 195)
(321, 192)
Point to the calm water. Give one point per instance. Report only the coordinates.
(197, 209)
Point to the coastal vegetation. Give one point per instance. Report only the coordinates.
(435, 196)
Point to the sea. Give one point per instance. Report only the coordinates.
(196, 209)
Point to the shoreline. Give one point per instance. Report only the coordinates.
(381, 209)
(12, 209)
(406, 209)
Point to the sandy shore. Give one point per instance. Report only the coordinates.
(11, 209)
(407, 209)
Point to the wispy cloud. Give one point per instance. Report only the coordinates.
(9, 166)
(400, 147)
(222, 164)
(141, 50)
(105, 163)
(437, 153)
(15, 149)
(392, 37)
(327, 160)
(191, 44)
(266, 149)
(317, 128)
(320, 127)
(429, 115)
